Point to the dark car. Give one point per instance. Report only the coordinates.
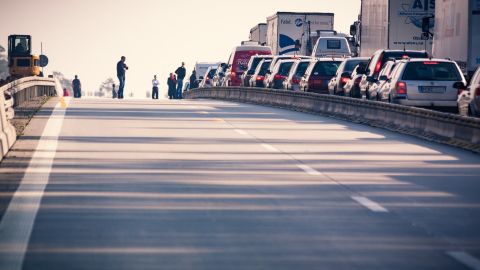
(318, 74)
(252, 66)
(259, 76)
(343, 75)
(379, 58)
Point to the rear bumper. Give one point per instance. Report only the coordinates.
(426, 103)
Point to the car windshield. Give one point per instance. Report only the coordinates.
(284, 68)
(264, 68)
(350, 65)
(326, 68)
(431, 71)
(301, 68)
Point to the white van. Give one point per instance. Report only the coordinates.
(332, 46)
(202, 67)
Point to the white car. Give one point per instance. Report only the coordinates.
(469, 100)
(207, 81)
(426, 83)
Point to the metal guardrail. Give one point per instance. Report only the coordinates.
(21, 90)
(451, 129)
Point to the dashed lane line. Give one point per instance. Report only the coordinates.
(373, 206)
(270, 148)
(308, 169)
(241, 132)
(465, 259)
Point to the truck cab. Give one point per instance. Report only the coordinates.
(21, 62)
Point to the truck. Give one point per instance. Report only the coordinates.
(289, 32)
(394, 25)
(202, 67)
(259, 33)
(457, 33)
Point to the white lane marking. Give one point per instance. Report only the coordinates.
(270, 148)
(241, 132)
(203, 112)
(17, 223)
(465, 258)
(373, 206)
(308, 169)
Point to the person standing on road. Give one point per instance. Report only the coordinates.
(77, 87)
(155, 87)
(181, 73)
(193, 80)
(172, 84)
(121, 67)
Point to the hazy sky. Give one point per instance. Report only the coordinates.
(87, 37)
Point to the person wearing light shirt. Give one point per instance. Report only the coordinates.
(155, 87)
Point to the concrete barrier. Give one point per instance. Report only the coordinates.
(22, 90)
(460, 131)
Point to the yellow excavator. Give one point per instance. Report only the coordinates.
(21, 62)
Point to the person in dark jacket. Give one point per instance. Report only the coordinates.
(121, 67)
(181, 73)
(77, 87)
(172, 83)
(193, 80)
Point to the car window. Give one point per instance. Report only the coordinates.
(326, 68)
(284, 68)
(301, 68)
(431, 71)
(255, 62)
(350, 65)
(264, 68)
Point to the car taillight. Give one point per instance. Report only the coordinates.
(401, 88)
(260, 78)
(344, 80)
(278, 77)
(357, 80)
(295, 80)
(233, 74)
(378, 67)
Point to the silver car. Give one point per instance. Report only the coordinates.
(469, 100)
(426, 83)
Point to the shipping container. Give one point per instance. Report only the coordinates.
(395, 25)
(457, 33)
(289, 32)
(259, 33)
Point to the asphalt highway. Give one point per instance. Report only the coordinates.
(202, 184)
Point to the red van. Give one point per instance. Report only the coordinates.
(238, 62)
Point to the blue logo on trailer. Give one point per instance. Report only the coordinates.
(287, 44)
(298, 22)
(416, 10)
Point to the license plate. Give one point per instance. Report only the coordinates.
(432, 89)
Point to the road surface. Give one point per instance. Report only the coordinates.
(202, 184)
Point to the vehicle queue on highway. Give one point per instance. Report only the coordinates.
(406, 77)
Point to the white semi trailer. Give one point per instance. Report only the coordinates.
(289, 32)
(394, 24)
(457, 33)
(259, 33)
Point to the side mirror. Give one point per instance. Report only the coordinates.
(383, 78)
(370, 79)
(346, 75)
(459, 86)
